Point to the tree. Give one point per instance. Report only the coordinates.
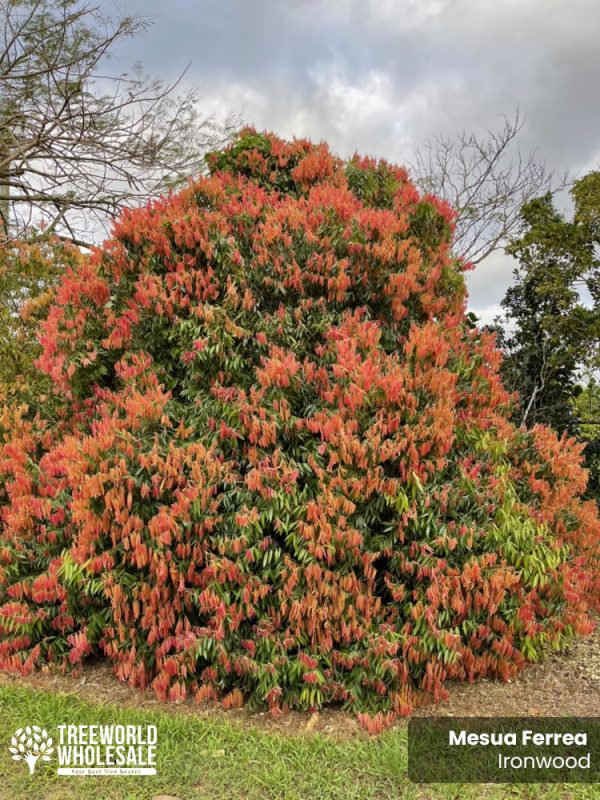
(77, 143)
(486, 180)
(551, 334)
(587, 405)
(279, 466)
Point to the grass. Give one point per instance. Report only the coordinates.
(200, 758)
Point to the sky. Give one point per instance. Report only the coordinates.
(381, 76)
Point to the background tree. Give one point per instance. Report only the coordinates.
(77, 142)
(486, 179)
(587, 403)
(551, 325)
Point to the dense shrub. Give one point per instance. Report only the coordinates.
(281, 468)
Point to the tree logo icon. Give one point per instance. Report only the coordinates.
(30, 744)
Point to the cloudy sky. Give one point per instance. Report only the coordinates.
(380, 76)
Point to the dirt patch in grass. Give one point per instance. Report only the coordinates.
(564, 684)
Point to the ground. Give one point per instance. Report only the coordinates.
(221, 755)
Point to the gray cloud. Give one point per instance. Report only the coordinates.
(379, 76)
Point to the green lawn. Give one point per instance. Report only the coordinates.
(219, 760)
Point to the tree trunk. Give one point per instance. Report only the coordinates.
(4, 197)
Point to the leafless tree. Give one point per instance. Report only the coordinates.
(486, 179)
(77, 142)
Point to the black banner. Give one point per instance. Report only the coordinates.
(504, 749)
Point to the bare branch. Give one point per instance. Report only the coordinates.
(486, 179)
(76, 139)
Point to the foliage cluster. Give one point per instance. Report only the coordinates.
(28, 273)
(279, 466)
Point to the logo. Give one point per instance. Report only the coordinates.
(107, 749)
(31, 744)
(89, 749)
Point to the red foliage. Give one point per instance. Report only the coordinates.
(283, 468)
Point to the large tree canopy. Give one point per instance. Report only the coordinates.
(279, 465)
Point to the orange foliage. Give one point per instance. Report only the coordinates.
(279, 464)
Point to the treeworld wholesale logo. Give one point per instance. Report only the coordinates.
(31, 744)
(89, 749)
